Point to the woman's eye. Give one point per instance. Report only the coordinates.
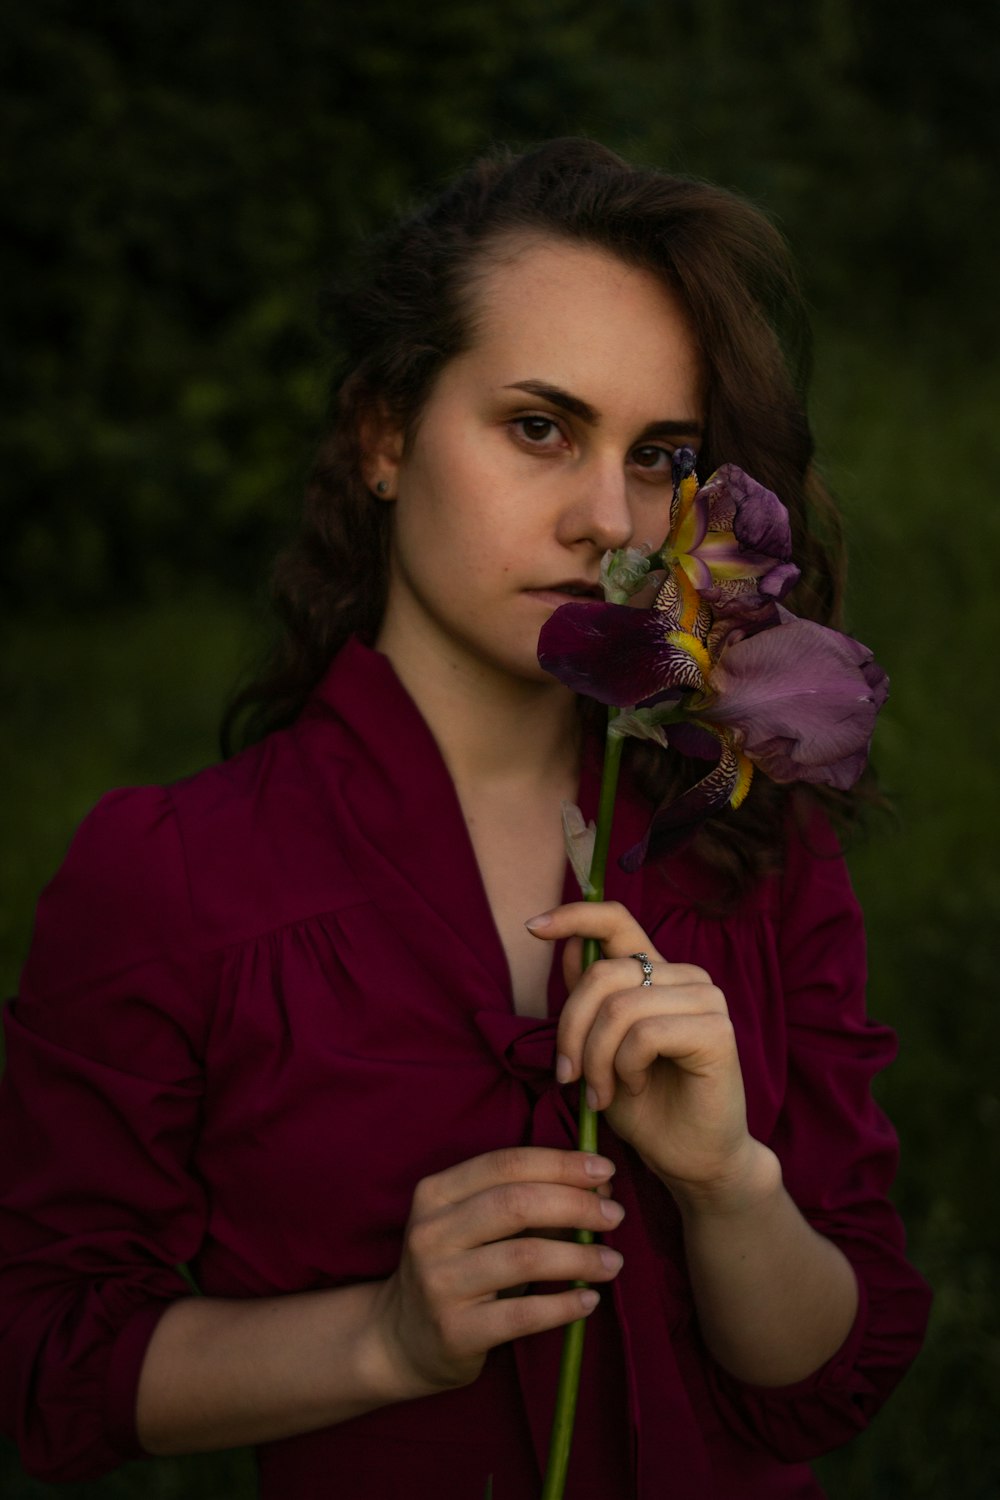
(536, 429)
(651, 457)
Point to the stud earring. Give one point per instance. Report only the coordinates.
(382, 487)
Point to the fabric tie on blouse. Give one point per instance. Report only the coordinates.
(635, 1315)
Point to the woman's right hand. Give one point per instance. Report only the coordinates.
(476, 1231)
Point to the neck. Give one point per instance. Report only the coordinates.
(492, 728)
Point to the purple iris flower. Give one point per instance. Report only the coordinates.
(717, 662)
(730, 542)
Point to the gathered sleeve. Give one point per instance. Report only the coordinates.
(99, 1109)
(838, 1154)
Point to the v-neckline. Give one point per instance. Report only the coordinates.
(413, 816)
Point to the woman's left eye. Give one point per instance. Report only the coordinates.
(653, 458)
(536, 429)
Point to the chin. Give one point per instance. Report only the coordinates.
(519, 663)
(532, 671)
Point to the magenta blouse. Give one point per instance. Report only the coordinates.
(261, 1004)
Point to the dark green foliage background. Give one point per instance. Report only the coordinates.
(177, 180)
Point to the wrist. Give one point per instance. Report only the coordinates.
(750, 1181)
(384, 1370)
(358, 1353)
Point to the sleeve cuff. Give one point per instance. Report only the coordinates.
(836, 1372)
(799, 1422)
(124, 1367)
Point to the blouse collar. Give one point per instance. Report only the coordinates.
(411, 810)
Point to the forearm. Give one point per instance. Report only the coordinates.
(775, 1299)
(223, 1374)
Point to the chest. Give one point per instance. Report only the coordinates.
(522, 862)
(370, 1046)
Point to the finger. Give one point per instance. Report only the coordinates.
(606, 994)
(500, 1266)
(506, 1318)
(619, 1014)
(499, 1213)
(509, 1165)
(610, 923)
(700, 1044)
(572, 962)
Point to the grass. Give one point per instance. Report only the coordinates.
(912, 456)
(121, 697)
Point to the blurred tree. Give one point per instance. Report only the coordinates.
(175, 174)
(174, 170)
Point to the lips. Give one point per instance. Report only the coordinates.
(574, 588)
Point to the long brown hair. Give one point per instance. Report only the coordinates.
(407, 308)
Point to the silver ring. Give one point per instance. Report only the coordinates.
(647, 968)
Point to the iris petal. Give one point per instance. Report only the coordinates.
(740, 504)
(685, 490)
(692, 524)
(677, 820)
(749, 536)
(804, 699)
(697, 572)
(691, 738)
(618, 655)
(680, 606)
(720, 549)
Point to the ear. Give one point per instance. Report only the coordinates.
(382, 445)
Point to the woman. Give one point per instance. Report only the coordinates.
(296, 1020)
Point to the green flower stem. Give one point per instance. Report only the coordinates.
(188, 1275)
(561, 1439)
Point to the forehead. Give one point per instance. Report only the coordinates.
(568, 312)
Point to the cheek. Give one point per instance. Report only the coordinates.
(439, 549)
(462, 504)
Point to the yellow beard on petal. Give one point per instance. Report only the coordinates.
(690, 598)
(686, 491)
(744, 777)
(692, 647)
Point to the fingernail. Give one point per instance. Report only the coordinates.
(564, 1068)
(591, 1097)
(612, 1211)
(610, 1259)
(589, 1300)
(598, 1166)
(535, 924)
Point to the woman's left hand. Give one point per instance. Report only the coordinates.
(659, 1060)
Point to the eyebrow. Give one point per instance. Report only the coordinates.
(667, 428)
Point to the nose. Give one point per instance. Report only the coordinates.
(598, 510)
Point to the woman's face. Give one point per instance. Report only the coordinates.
(546, 443)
